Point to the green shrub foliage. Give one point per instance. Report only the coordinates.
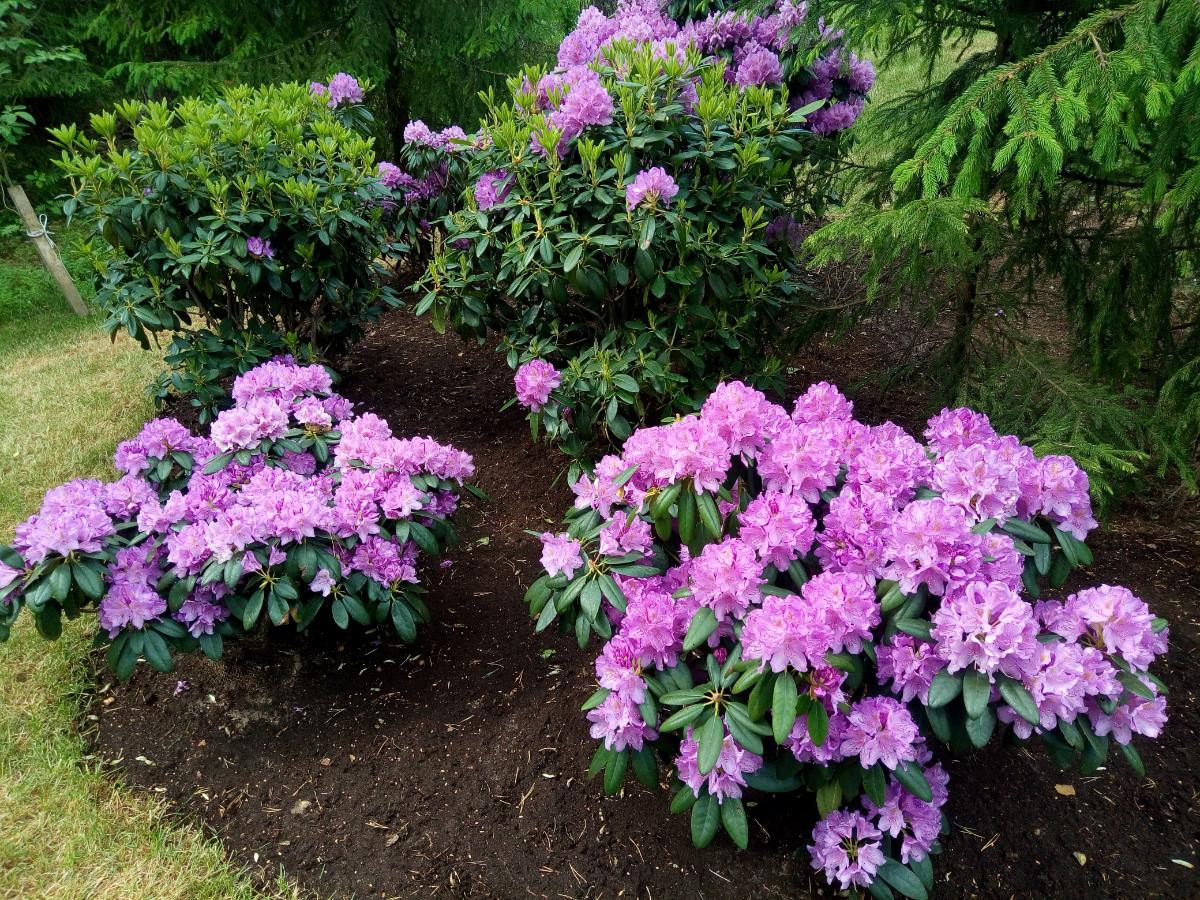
(1052, 176)
(647, 297)
(240, 228)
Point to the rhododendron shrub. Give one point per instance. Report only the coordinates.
(239, 227)
(628, 212)
(800, 602)
(426, 182)
(291, 508)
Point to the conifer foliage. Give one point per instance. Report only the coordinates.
(1051, 178)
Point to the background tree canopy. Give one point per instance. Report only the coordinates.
(66, 58)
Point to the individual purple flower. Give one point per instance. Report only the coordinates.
(651, 187)
(725, 577)
(743, 417)
(626, 534)
(690, 448)
(342, 89)
(889, 460)
(619, 723)
(909, 819)
(727, 777)
(561, 554)
(651, 623)
(780, 527)
(847, 848)
(930, 542)
(534, 382)
(492, 188)
(323, 583)
(260, 248)
(910, 665)
(390, 175)
(1136, 715)
(980, 480)
(200, 616)
(988, 627)
(803, 459)
(1064, 497)
(954, 429)
(619, 668)
(129, 605)
(759, 67)
(801, 744)
(1110, 618)
(855, 530)
(880, 729)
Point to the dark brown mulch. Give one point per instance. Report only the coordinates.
(457, 768)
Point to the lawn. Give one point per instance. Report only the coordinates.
(70, 394)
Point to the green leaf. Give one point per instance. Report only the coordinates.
(817, 722)
(595, 700)
(711, 737)
(1134, 758)
(538, 594)
(683, 800)
(923, 868)
(403, 622)
(253, 607)
(980, 728)
(706, 819)
(682, 717)
(829, 797)
(703, 624)
(709, 515)
(645, 766)
(156, 651)
(614, 772)
(875, 784)
(1018, 698)
(944, 688)
(1025, 531)
(88, 579)
(976, 690)
(589, 599)
(687, 516)
(903, 880)
(783, 707)
(547, 616)
(733, 817)
(913, 779)
(1134, 685)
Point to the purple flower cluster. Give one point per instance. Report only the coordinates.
(342, 89)
(492, 188)
(356, 497)
(534, 381)
(651, 187)
(260, 248)
(800, 543)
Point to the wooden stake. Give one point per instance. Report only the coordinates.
(45, 249)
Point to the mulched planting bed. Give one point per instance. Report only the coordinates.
(457, 767)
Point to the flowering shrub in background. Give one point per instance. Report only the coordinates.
(425, 184)
(292, 505)
(244, 226)
(802, 602)
(626, 210)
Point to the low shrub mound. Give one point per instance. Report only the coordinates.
(243, 227)
(629, 212)
(292, 506)
(804, 603)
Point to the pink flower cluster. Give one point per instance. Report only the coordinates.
(651, 187)
(342, 89)
(830, 531)
(358, 505)
(534, 381)
(273, 398)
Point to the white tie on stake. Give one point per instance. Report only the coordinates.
(38, 230)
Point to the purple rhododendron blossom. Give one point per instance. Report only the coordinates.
(561, 555)
(847, 848)
(650, 187)
(534, 382)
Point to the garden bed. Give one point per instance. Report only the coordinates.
(362, 767)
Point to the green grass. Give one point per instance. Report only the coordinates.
(66, 830)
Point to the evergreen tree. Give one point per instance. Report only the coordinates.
(1051, 178)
